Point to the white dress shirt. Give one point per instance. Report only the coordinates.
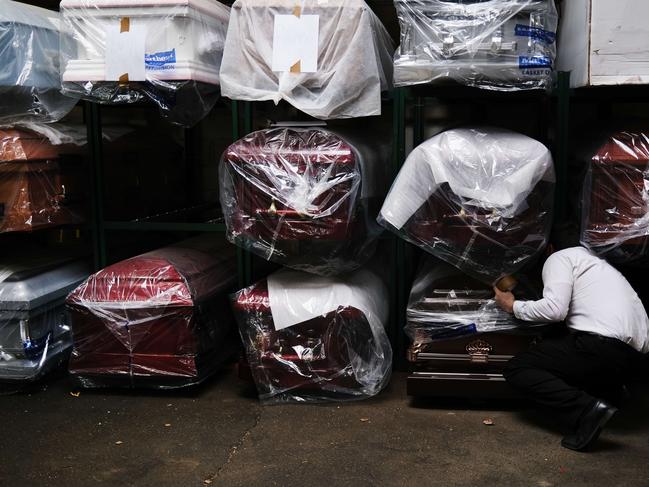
(590, 295)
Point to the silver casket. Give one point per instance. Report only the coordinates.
(494, 44)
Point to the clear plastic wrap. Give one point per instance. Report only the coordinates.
(34, 328)
(330, 59)
(445, 304)
(159, 320)
(37, 188)
(30, 82)
(305, 198)
(493, 44)
(615, 198)
(166, 51)
(480, 199)
(309, 338)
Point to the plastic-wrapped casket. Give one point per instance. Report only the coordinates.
(30, 82)
(329, 59)
(303, 197)
(161, 319)
(479, 198)
(312, 338)
(34, 328)
(34, 193)
(615, 198)
(444, 303)
(123, 51)
(495, 44)
(460, 339)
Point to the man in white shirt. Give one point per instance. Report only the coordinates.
(607, 343)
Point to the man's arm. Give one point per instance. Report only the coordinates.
(557, 293)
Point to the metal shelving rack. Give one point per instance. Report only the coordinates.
(401, 253)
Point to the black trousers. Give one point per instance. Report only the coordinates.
(566, 373)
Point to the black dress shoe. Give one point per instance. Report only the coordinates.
(590, 426)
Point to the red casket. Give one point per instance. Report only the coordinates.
(340, 354)
(615, 209)
(302, 198)
(34, 190)
(160, 319)
(480, 199)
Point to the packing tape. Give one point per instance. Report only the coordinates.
(297, 11)
(124, 24)
(297, 67)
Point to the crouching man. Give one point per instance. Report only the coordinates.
(606, 344)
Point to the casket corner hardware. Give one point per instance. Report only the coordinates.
(479, 351)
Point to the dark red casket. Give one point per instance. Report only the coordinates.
(34, 190)
(302, 198)
(615, 210)
(160, 319)
(479, 199)
(338, 355)
(460, 339)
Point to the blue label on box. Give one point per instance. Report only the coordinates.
(534, 62)
(160, 59)
(535, 33)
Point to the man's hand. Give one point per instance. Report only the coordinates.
(505, 300)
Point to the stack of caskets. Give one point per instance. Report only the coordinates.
(307, 198)
(481, 200)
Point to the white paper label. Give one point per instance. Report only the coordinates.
(295, 39)
(125, 53)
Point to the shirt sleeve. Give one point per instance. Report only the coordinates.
(557, 292)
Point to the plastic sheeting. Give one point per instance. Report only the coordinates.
(125, 51)
(305, 198)
(29, 55)
(160, 320)
(615, 198)
(479, 198)
(444, 304)
(310, 338)
(330, 59)
(37, 190)
(493, 44)
(34, 328)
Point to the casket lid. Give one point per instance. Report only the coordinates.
(628, 147)
(209, 7)
(178, 275)
(307, 5)
(25, 145)
(21, 13)
(32, 282)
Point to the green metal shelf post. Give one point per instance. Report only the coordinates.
(92, 115)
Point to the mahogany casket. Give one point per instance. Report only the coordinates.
(37, 188)
(479, 199)
(305, 198)
(161, 319)
(460, 339)
(311, 338)
(615, 198)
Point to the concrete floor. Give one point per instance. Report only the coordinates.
(219, 435)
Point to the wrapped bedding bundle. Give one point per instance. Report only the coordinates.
(305, 198)
(310, 338)
(492, 44)
(329, 59)
(159, 320)
(30, 82)
(615, 198)
(480, 199)
(125, 51)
